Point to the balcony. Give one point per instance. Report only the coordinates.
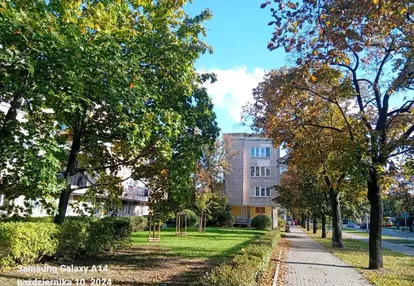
(135, 194)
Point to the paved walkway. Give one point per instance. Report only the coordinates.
(385, 244)
(310, 264)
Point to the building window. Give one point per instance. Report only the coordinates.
(259, 191)
(260, 210)
(259, 171)
(260, 152)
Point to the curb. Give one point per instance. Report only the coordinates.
(277, 270)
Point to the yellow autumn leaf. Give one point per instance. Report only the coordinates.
(375, 1)
(314, 78)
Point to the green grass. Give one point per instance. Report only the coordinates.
(175, 260)
(362, 232)
(387, 238)
(214, 243)
(398, 240)
(397, 271)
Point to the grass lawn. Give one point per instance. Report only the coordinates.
(398, 268)
(214, 243)
(173, 261)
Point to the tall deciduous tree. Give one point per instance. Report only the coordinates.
(290, 108)
(372, 42)
(118, 77)
(302, 191)
(209, 176)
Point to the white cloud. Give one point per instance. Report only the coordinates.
(233, 88)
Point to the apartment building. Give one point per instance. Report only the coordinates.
(134, 199)
(255, 171)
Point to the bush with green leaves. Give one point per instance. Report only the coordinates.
(281, 223)
(139, 223)
(27, 219)
(81, 238)
(246, 268)
(192, 218)
(261, 222)
(26, 242)
(225, 219)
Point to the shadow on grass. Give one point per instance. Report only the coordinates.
(181, 263)
(192, 277)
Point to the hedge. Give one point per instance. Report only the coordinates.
(30, 242)
(26, 242)
(246, 268)
(82, 238)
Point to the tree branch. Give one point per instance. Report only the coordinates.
(323, 127)
(358, 92)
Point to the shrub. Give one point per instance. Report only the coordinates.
(26, 242)
(225, 219)
(246, 268)
(81, 238)
(73, 239)
(139, 223)
(192, 218)
(281, 223)
(28, 219)
(261, 222)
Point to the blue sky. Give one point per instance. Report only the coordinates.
(238, 33)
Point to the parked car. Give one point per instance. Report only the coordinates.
(350, 225)
(363, 225)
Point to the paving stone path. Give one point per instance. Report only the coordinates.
(310, 264)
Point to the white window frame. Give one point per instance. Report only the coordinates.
(256, 191)
(257, 171)
(259, 152)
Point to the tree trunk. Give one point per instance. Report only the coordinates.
(63, 203)
(200, 222)
(307, 223)
(375, 232)
(303, 221)
(10, 120)
(336, 218)
(315, 225)
(323, 226)
(71, 170)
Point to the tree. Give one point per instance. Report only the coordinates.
(301, 191)
(172, 183)
(119, 77)
(372, 43)
(209, 175)
(290, 109)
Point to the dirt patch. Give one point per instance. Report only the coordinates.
(133, 266)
